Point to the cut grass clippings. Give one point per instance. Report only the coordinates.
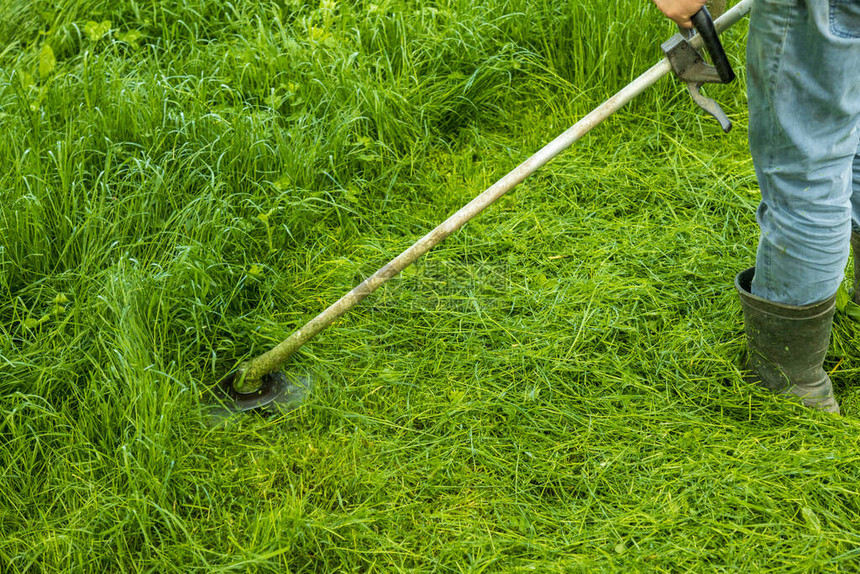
(554, 389)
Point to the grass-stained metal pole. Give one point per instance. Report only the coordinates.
(248, 375)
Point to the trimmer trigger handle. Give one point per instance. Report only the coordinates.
(689, 65)
(705, 27)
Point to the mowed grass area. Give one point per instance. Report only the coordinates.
(554, 389)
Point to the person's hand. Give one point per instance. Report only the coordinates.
(680, 11)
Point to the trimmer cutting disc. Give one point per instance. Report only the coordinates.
(278, 391)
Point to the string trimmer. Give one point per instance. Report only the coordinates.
(260, 382)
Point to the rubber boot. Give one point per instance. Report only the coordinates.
(855, 247)
(786, 346)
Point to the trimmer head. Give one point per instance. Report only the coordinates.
(278, 391)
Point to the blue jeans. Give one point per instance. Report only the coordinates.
(803, 68)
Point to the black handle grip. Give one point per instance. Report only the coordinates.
(705, 26)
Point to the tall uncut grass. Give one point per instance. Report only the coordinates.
(554, 389)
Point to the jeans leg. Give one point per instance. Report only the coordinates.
(803, 59)
(855, 196)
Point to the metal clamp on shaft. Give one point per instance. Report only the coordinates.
(689, 65)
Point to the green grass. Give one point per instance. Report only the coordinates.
(553, 389)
